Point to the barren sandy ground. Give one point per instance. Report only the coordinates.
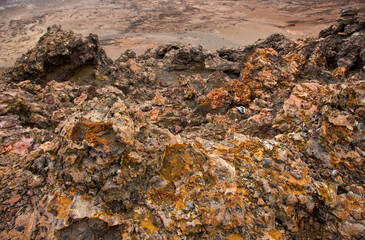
(139, 24)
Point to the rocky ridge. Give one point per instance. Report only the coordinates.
(260, 142)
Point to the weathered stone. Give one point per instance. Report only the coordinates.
(57, 56)
(141, 151)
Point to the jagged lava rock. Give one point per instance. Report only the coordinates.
(153, 146)
(57, 56)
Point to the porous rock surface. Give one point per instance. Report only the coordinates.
(261, 142)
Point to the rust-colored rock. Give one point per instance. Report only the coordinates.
(141, 150)
(242, 93)
(218, 98)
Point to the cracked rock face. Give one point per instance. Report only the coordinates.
(261, 142)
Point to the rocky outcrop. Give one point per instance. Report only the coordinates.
(262, 142)
(58, 56)
(340, 50)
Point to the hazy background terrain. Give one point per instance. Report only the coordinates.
(139, 24)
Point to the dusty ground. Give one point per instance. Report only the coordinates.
(139, 25)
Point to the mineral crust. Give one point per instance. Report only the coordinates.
(261, 142)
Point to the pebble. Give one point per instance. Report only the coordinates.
(241, 109)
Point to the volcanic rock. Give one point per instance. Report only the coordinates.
(261, 142)
(58, 55)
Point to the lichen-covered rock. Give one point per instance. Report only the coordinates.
(268, 71)
(174, 144)
(242, 93)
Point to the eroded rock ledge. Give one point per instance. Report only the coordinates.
(262, 142)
